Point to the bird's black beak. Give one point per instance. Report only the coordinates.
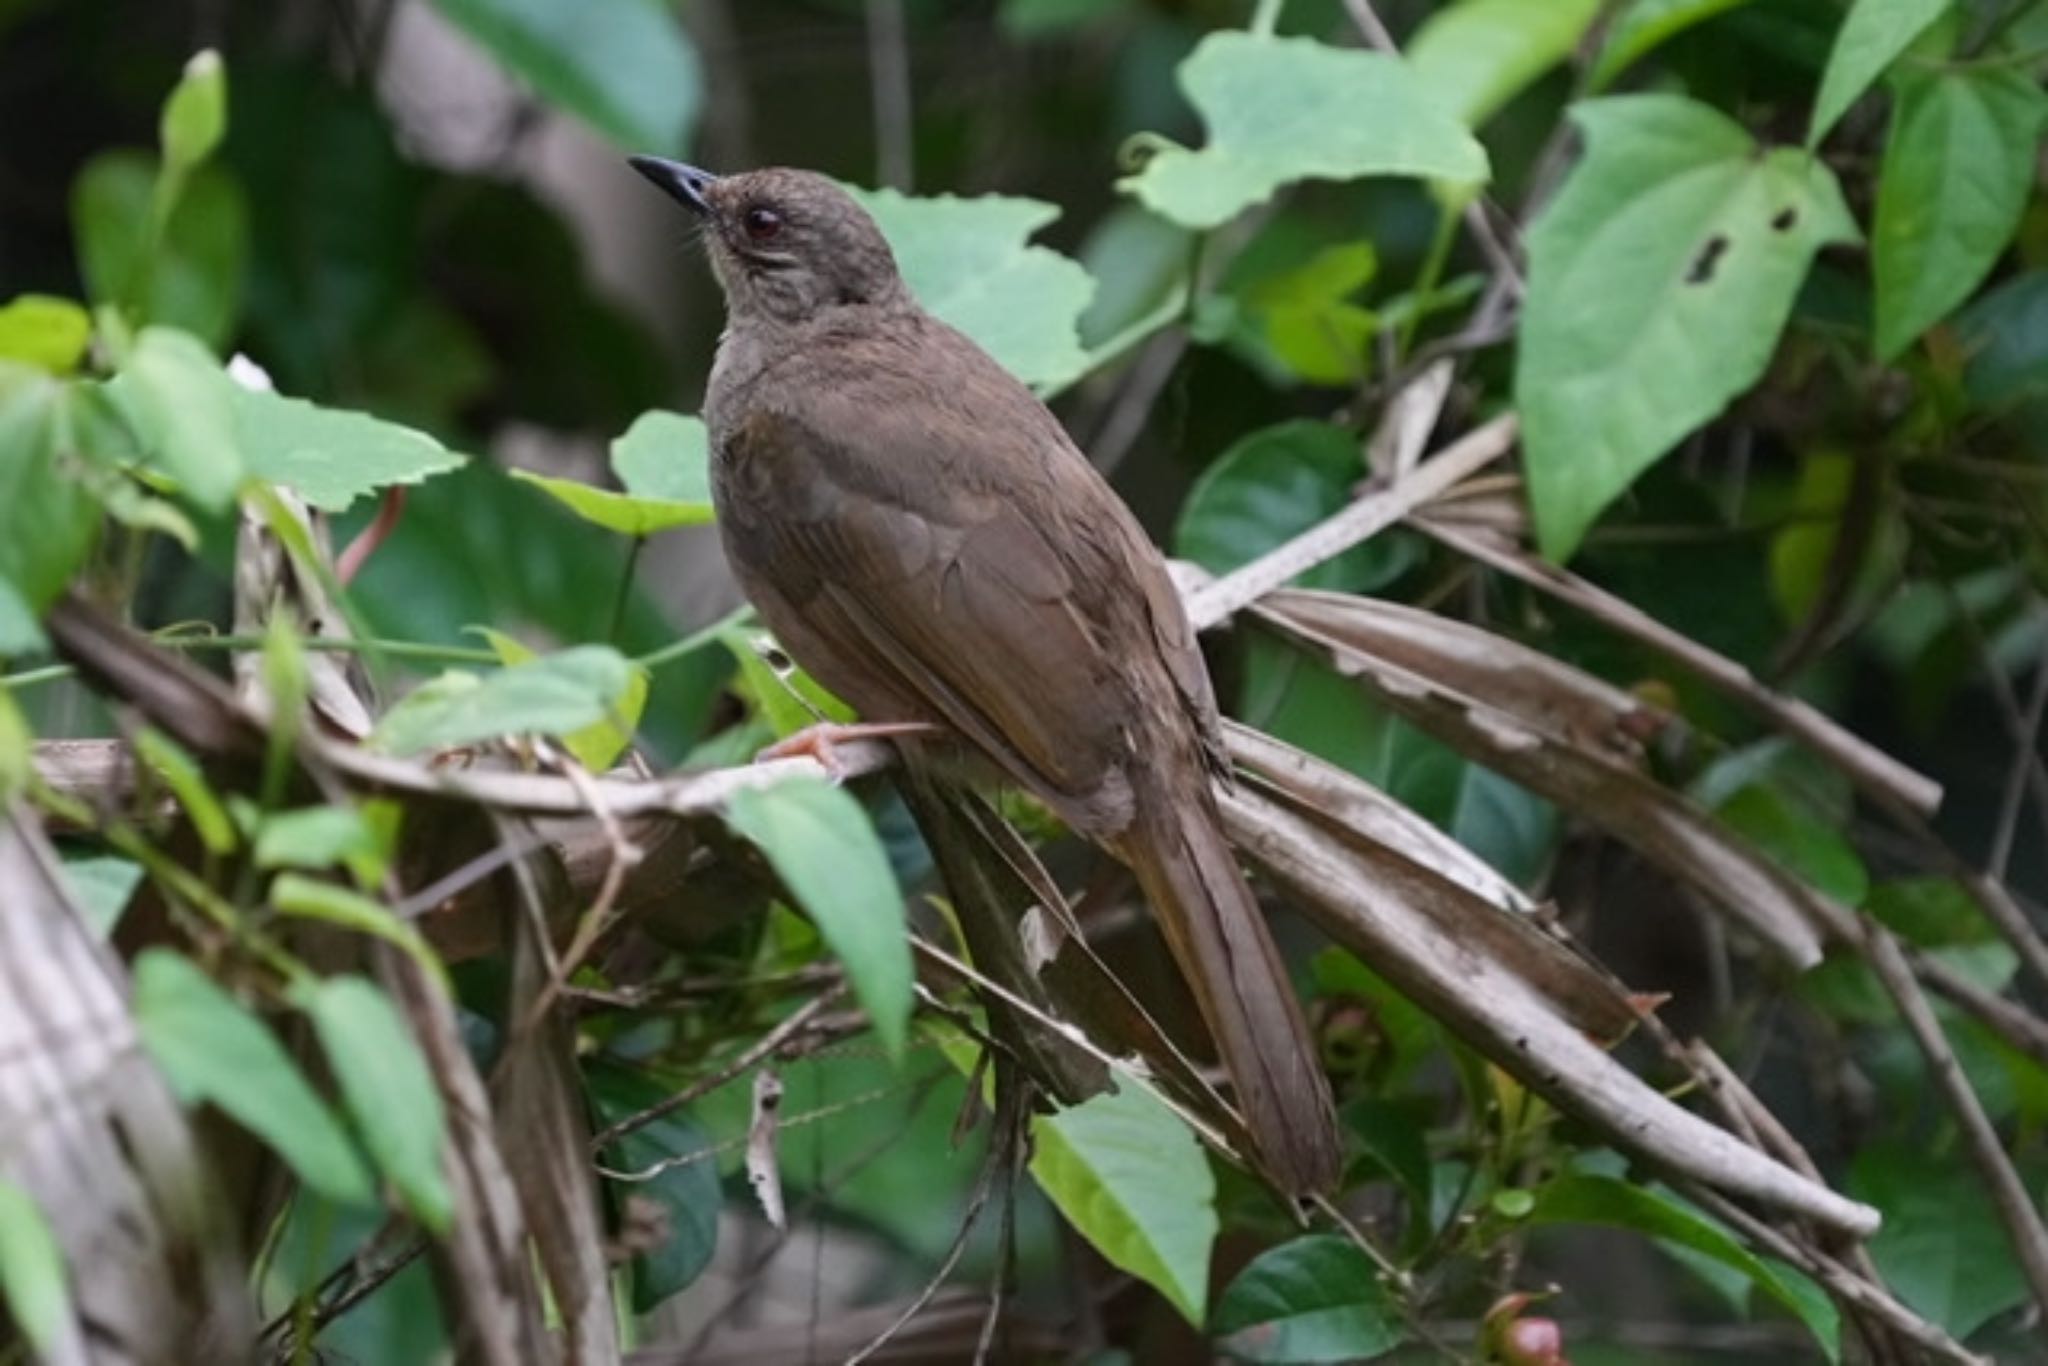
(684, 184)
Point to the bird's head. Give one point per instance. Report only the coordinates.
(787, 245)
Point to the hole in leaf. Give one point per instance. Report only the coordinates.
(1784, 219)
(1710, 256)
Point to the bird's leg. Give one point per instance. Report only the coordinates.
(820, 741)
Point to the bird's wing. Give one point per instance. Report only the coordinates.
(970, 565)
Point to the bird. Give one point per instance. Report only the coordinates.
(919, 532)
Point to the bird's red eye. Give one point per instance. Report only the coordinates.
(762, 224)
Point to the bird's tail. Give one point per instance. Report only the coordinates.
(1218, 935)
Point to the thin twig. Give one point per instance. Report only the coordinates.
(889, 79)
(1216, 601)
(2026, 755)
(796, 1023)
(2015, 1205)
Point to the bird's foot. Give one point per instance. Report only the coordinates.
(821, 741)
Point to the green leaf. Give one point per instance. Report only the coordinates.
(1606, 1201)
(599, 746)
(782, 694)
(390, 1094)
(625, 67)
(195, 280)
(557, 694)
(1129, 1176)
(667, 456)
(971, 263)
(825, 850)
(1659, 280)
(211, 1049)
(620, 512)
(44, 331)
(2004, 332)
(17, 749)
(195, 117)
(183, 407)
(33, 1281)
(47, 519)
(687, 1194)
(1270, 487)
(1314, 1299)
(312, 899)
(102, 885)
(1286, 109)
(1645, 26)
(1871, 38)
(1958, 168)
(1477, 55)
(1028, 19)
(1943, 1248)
(1804, 846)
(1308, 320)
(331, 456)
(181, 773)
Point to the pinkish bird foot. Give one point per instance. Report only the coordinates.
(821, 741)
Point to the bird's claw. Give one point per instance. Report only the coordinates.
(821, 742)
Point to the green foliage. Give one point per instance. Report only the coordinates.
(1476, 55)
(1129, 1176)
(1658, 284)
(970, 262)
(1942, 1247)
(1317, 1298)
(559, 694)
(1286, 109)
(390, 1094)
(1958, 169)
(328, 456)
(45, 332)
(822, 846)
(1872, 36)
(686, 1193)
(664, 462)
(210, 1048)
(624, 67)
(33, 1281)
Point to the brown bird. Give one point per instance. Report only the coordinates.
(920, 533)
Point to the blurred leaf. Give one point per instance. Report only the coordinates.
(1129, 1176)
(599, 746)
(1028, 19)
(211, 1049)
(195, 281)
(1137, 259)
(625, 67)
(2004, 332)
(1610, 1202)
(34, 1285)
(687, 1194)
(823, 847)
(312, 899)
(665, 455)
(195, 117)
(102, 885)
(970, 262)
(1308, 319)
(1286, 109)
(1659, 280)
(1477, 55)
(331, 456)
(1958, 169)
(169, 761)
(782, 694)
(1801, 552)
(1645, 26)
(1395, 1136)
(1810, 849)
(1930, 912)
(1273, 485)
(17, 749)
(1507, 825)
(1316, 1298)
(317, 837)
(664, 460)
(44, 331)
(182, 406)
(557, 694)
(47, 520)
(1943, 1248)
(1871, 38)
(390, 1093)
